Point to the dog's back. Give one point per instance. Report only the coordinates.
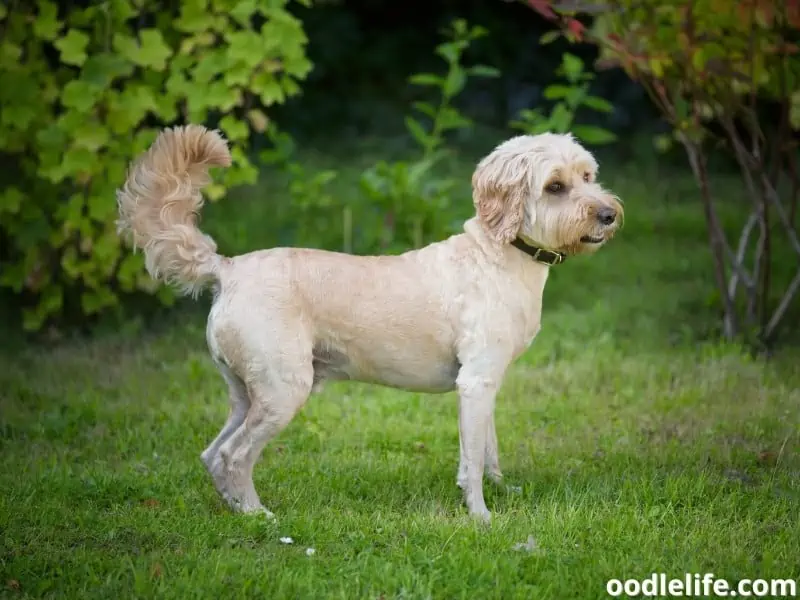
(367, 318)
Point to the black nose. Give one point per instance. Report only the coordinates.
(606, 215)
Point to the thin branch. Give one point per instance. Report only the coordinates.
(791, 291)
(782, 307)
(772, 194)
(745, 162)
(794, 195)
(753, 83)
(763, 265)
(779, 150)
(762, 245)
(752, 221)
(749, 161)
(719, 239)
(738, 266)
(715, 234)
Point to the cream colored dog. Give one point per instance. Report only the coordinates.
(450, 316)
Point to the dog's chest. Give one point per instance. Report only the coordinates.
(523, 312)
(523, 324)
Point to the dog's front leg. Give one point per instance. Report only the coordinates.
(476, 406)
(492, 464)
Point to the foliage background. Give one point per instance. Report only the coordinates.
(92, 85)
(633, 439)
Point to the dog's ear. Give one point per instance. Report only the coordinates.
(500, 186)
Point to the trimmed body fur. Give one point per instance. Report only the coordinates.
(450, 316)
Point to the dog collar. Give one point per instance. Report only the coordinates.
(547, 257)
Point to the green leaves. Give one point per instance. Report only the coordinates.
(46, 26)
(794, 110)
(571, 67)
(128, 107)
(570, 97)
(195, 17)
(415, 204)
(149, 51)
(268, 88)
(10, 54)
(80, 95)
(418, 132)
(125, 45)
(454, 82)
(246, 47)
(598, 104)
(79, 162)
(235, 130)
(555, 91)
(104, 68)
(51, 301)
(213, 64)
(446, 117)
(11, 200)
(593, 135)
(91, 135)
(561, 118)
(482, 71)
(80, 116)
(428, 79)
(154, 52)
(243, 11)
(73, 47)
(548, 37)
(725, 55)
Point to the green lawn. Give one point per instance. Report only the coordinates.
(629, 447)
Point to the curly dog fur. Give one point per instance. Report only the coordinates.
(450, 316)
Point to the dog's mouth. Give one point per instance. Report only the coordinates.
(588, 239)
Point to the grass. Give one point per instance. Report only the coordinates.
(629, 447)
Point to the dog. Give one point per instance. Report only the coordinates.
(452, 315)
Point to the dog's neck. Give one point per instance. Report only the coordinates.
(539, 254)
(492, 248)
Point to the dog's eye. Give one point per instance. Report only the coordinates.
(587, 177)
(555, 187)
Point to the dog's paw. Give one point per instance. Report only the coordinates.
(248, 506)
(477, 509)
(482, 515)
(260, 512)
(495, 477)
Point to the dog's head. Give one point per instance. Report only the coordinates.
(542, 189)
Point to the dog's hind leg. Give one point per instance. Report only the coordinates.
(276, 394)
(239, 405)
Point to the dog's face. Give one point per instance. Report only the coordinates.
(542, 189)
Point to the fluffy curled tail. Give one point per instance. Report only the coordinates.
(160, 201)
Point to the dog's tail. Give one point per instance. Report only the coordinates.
(160, 201)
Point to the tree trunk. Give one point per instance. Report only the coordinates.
(715, 237)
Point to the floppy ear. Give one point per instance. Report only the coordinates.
(500, 186)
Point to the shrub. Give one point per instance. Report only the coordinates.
(85, 89)
(720, 73)
(569, 96)
(417, 206)
(311, 205)
(403, 204)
